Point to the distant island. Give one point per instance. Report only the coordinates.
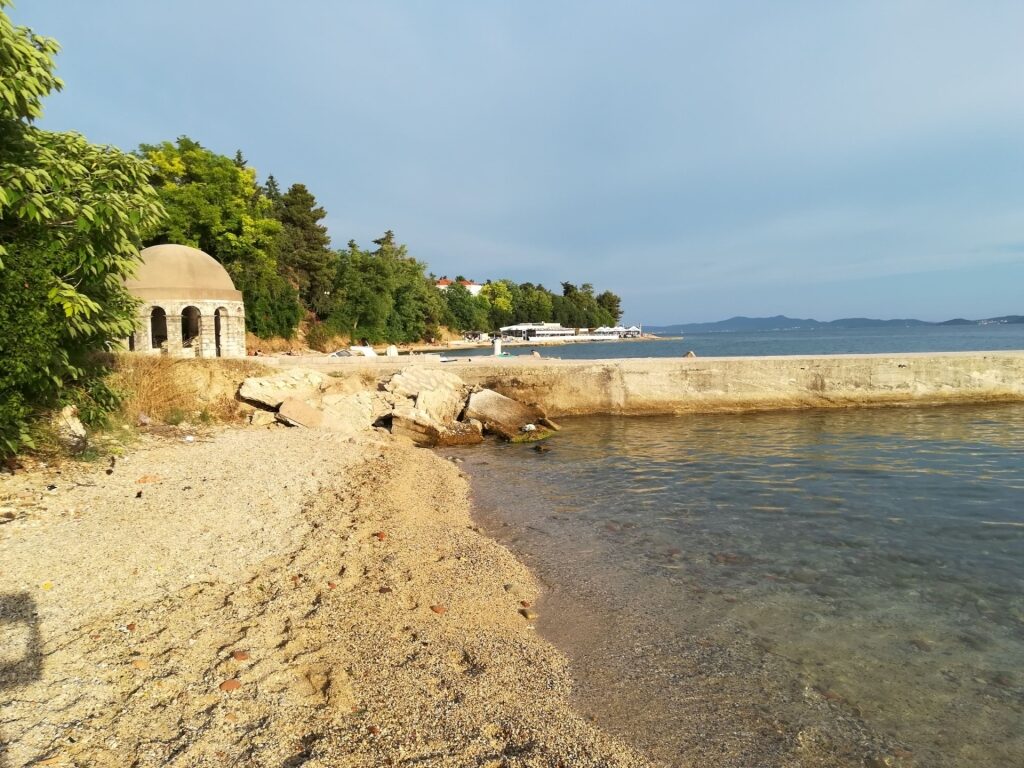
(783, 323)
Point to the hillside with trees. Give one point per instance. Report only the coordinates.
(277, 250)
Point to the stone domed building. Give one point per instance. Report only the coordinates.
(190, 306)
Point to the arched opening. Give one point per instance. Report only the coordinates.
(158, 327)
(189, 326)
(219, 317)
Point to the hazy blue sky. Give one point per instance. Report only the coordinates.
(708, 159)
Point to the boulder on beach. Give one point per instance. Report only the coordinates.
(439, 394)
(504, 416)
(424, 430)
(346, 413)
(271, 391)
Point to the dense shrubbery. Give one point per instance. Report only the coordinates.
(71, 217)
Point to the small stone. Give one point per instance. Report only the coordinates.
(331, 585)
(438, 609)
(138, 495)
(231, 685)
(384, 590)
(380, 535)
(240, 655)
(148, 479)
(140, 664)
(131, 627)
(527, 614)
(524, 603)
(374, 730)
(231, 717)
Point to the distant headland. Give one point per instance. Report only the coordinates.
(783, 323)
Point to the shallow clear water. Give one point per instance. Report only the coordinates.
(832, 341)
(787, 589)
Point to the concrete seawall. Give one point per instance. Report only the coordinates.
(649, 386)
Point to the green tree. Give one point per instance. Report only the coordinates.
(384, 295)
(466, 312)
(71, 218)
(499, 297)
(611, 304)
(215, 204)
(304, 249)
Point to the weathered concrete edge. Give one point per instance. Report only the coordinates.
(657, 386)
(667, 386)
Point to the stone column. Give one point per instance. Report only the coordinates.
(174, 348)
(206, 344)
(143, 330)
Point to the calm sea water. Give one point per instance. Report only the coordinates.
(819, 588)
(822, 342)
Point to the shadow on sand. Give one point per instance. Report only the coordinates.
(21, 662)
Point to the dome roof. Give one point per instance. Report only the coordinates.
(180, 272)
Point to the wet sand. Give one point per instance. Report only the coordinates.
(271, 597)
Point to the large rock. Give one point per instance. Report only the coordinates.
(503, 415)
(70, 430)
(346, 413)
(422, 429)
(296, 413)
(356, 411)
(439, 394)
(292, 384)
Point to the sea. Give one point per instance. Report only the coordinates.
(812, 588)
(826, 341)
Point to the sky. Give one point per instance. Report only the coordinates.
(700, 159)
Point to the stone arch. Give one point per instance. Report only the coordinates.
(191, 325)
(220, 323)
(158, 327)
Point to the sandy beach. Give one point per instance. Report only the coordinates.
(271, 597)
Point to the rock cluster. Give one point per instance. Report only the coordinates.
(428, 406)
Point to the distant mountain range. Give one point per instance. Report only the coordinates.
(783, 323)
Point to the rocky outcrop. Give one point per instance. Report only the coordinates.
(271, 391)
(506, 417)
(441, 395)
(425, 405)
(419, 427)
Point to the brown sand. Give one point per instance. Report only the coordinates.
(275, 598)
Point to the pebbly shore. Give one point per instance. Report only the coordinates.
(269, 597)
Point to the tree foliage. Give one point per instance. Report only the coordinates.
(383, 295)
(215, 204)
(71, 218)
(504, 302)
(304, 248)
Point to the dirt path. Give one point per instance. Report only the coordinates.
(274, 598)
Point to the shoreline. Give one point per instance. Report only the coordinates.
(360, 613)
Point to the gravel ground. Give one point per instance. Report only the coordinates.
(275, 597)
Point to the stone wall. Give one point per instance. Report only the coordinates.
(667, 385)
(232, 329)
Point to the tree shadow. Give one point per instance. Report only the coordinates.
(21, 663)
